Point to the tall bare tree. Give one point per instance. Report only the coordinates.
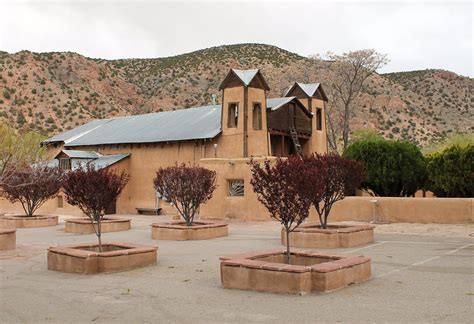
(347, 79)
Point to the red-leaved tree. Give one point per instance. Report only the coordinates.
(333, 177)
(32, 186)
(279, 187)
(186, 187)
(93, 190)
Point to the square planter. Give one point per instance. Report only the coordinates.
(33, 221)
(179, 231)
(109, 224)
(307, 272)
(7, 238)
(85, 258)
(335, 236)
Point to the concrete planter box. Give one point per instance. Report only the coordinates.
(178, 231)
(308, 272)
(335, 236)
(33, 221)
(7, 239)
(85, 258)
(109, 224)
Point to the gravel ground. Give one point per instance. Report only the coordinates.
(421, 273)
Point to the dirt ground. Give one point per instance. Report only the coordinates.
(421, 273)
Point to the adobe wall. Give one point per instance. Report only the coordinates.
(319, 137)
(405, 210)
(389, 209)
(221, 206)
(142, 165)
(49, 207)
(231, 141)
(258, 140)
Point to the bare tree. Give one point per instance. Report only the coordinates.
(347, 79)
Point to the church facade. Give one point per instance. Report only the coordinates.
(220, 137)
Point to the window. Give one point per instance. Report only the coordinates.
(236, 188)
(233, 117)
(257, 116)
(319, 119)
(65, 164)
(60, 202)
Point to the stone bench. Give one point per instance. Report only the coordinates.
(148, 211)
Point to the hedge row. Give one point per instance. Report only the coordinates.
(399, 169)
(451, 172)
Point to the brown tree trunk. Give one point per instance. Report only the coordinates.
(99, 232)
(346, 128)
(287, 246)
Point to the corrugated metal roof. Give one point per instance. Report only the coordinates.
(107, 160)
(77, 132)
(82, 154)
(179, 125)
(246, 75)
(184, 124)
(276, 103)
(99, 163)
(308, 88)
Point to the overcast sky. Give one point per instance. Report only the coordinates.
(415, 35)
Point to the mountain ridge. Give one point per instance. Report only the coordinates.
(56, 91)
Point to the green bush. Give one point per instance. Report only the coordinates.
(451, 172)
(392, 168)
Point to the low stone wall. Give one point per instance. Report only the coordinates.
(307, 272)
(404, 210)
(109, 224)
(386, 209)
(311, 235)
(7, 239)
(178, 231)
(84, 258)
(27, 221)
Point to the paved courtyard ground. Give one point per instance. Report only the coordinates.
(421, 273)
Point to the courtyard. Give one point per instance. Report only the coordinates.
(420, 273)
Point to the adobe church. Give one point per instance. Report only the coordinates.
(219, 137)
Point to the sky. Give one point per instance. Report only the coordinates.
(415, 35)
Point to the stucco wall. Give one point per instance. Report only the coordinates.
(258, 140)
(388, 209)
(50, 207)
(319, 137)
(144, 161)
(405, 210)
(221, 205)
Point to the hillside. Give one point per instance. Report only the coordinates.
(52, 92)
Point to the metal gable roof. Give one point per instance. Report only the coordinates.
(275, 103)
(308, 88)
(246, 75)
(77, 132)
(81, 154)
(184, 124)
(107, 160)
